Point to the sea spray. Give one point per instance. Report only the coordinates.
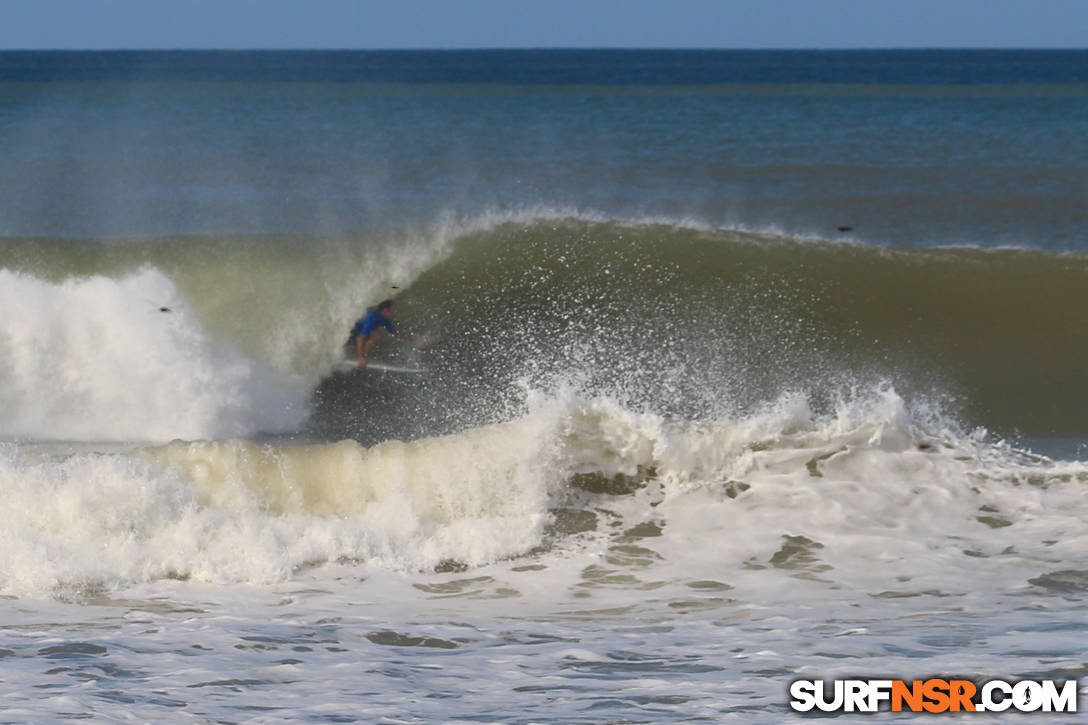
(121, 359)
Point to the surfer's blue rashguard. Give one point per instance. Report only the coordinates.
(367, 324)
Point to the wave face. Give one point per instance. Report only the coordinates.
(674, 319)
(701, 322)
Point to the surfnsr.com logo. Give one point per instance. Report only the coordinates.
(933, 695)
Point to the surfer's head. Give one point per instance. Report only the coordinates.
(387, 308)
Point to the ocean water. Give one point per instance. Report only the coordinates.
(742, 367)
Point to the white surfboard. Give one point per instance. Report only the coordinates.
(346, 365)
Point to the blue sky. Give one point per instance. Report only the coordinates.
(362, 24)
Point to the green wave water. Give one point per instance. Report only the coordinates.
(670, 317)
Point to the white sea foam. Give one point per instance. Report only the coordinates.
(868, 498)
(233, 511)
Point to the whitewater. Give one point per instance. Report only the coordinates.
(584, 556)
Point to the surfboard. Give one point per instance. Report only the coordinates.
(346, 365)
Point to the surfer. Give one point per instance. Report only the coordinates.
(368, 329)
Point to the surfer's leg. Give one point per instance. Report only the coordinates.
(366, 344)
